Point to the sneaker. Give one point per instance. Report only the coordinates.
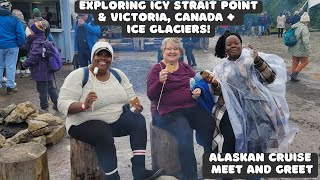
(4, 79)
(153, 174)
(18, 71)
(294, 77)
(11, 90)
(28, 71)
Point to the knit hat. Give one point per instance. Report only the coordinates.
(5, 4)
(102, 44)
(305, 17)
(36, 12)
(38, 27)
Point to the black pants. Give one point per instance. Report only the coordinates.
(44, 88)
(178, 123)
(190, 57)
(229, 139)
(228, 134)
(280, 32)
(100, 134)
(84, 57)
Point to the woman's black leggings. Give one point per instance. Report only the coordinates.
(280, 32)
(100, 134)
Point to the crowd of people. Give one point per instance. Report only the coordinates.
(23, 47)
(241, 100)
(262, 24)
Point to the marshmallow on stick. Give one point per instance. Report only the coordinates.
(170, 68)
(95, 72)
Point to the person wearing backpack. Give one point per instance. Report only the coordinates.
(40, 70)
(301, 50)
(100, 105)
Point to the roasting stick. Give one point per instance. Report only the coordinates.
(170, 68)
(95, 71)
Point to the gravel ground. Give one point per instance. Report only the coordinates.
(303, 99)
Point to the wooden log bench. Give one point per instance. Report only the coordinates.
(164, 151)
(26, 161)
(84, 163)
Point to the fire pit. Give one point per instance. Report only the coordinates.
(22, 123)
(12, 129)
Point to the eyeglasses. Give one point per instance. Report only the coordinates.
(170, 49)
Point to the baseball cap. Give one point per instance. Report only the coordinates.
(5, 4)
(36, 12)
(102, 44)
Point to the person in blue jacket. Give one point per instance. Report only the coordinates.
(188, 45)
(86, 35)
(12, 36)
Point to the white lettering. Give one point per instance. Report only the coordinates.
(135, 29)
(226, 169)
(294, 169)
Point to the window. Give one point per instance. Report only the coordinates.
(50, 10)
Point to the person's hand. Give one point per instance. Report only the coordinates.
(80, 22)
(138, 108)
(196, 93)
(254, 53)
(91, 97)
(211, 78)
(163, 75)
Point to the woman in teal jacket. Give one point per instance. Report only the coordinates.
(301, 51)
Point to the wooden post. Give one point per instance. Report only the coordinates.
(84, 163)
(26, 161)
(164, 151)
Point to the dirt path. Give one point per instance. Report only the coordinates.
(303, 99)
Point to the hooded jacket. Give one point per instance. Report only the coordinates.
(302, 48)
(47, 26)
(93, 32)
(11, 30)
(38, 64)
